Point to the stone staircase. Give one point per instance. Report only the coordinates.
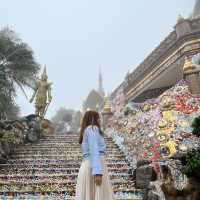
(49, 169)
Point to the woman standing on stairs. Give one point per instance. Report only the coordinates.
(93, 182)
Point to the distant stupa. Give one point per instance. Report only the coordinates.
(100, 87)
(95, 99)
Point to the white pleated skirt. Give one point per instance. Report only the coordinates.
(86, 189)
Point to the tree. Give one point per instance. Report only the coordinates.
(76, 120)
(17, 68)
(13, 112)
(63, 115)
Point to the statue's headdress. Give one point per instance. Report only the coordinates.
(44, 74)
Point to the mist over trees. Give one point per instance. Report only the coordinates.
(63, 114)
(65, 117)
(77, 121)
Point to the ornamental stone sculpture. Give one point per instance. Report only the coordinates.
(196, 60)
(191, 72)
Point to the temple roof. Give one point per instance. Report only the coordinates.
(196, 11)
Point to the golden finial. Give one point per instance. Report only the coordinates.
(44, 74)
(188, 65)
(107, 106)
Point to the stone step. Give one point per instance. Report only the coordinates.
(58, 160)
(69, 139)
(27, 170)
(59, 196)
(62, 150)
(61, 144)
(110, 157)
(54, 181)
(49, 146)
(51, 197)
(108, 143)
(55, 177)
(61, 166)
(38, 173)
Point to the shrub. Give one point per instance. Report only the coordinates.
(196, 126)
(192, 167)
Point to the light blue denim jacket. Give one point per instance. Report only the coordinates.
(93, 146)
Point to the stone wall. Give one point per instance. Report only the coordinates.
(16, 133)
(150, 94)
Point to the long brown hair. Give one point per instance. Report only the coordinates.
(90, 118)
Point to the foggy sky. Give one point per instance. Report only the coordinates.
(75, 37)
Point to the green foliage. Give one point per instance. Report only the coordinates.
(17, 68)
(128, 111)
(13, 112)
(192, 168)
(196, 126)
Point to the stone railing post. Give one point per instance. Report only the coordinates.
(191, 75)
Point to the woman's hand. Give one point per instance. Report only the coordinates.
(98, 179)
